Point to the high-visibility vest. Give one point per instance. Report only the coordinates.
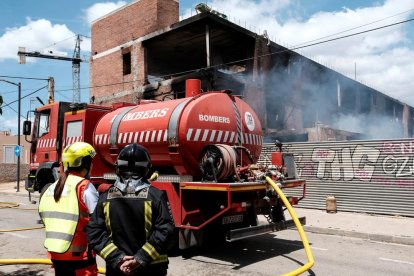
(64, 220)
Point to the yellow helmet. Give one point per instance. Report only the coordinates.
(74, 153)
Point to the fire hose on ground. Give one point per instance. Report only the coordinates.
(101, 270)
(302, 234)
(13, 205)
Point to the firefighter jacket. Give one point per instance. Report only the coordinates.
(131, 224)
(65, 221)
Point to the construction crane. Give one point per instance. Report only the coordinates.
(76, 60)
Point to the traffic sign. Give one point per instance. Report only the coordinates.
(17, 150)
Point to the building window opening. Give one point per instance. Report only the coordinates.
(126, 63)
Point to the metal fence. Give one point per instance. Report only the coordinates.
(375, 176)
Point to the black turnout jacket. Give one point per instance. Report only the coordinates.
(138, 225)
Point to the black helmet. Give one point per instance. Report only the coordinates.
(133, 160)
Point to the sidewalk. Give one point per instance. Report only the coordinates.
(380, 228)
(10, 188)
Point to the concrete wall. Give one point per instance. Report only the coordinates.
(9, 172)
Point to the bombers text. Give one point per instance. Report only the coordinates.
(155, 113)
(213, 118)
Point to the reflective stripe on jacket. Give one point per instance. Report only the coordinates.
(137, 224)
(65, 220)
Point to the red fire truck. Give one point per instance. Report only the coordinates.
(204, 147)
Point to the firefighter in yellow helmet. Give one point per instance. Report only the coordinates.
(65, 208)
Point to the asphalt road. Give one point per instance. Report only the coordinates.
(270, 254)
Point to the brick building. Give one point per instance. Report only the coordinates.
(143, 51)
(119, 57)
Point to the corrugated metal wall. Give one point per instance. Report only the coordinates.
(375, 176)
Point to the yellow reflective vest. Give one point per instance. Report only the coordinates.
(61, 218)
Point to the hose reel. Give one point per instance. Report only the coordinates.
(219, 162)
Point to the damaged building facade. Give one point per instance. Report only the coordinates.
(143, 51)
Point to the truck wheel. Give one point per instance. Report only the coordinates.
(277, 212)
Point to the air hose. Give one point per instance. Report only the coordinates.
(302, 234)
(101, 270)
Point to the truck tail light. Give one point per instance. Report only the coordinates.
(239, 206)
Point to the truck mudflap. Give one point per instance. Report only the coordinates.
(252, 231)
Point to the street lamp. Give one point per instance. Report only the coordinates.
(18, 130)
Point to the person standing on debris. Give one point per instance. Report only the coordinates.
(65, 208)
(131, 225)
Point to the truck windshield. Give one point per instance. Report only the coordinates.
(42, 123)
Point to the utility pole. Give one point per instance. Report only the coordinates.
(51, 89)
(18, 136)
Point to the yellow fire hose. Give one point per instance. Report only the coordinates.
(5, 205)
(13, 205)
(101, 270)
(302, 234)
(21, 229)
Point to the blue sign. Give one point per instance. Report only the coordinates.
(17, 150)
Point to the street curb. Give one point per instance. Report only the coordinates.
(360, 235)
(20, 193)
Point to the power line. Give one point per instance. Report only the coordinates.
(8, 105)
(354, 34)
(10, 92)
(25, 96)
(354, 28)
(53, 44)
(23, 78)
(63, 95)
(14, 91)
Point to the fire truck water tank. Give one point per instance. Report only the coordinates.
(175, 132)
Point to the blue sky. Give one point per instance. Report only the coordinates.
(384, 59)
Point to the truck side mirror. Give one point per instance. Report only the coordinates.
(27, 127)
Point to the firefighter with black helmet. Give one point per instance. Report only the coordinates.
(64, 208)
(131, 225)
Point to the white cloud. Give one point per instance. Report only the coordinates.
(36, 35)
(8, 124)
(100, 9)
(382, 57)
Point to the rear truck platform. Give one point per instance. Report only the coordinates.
(205, 211)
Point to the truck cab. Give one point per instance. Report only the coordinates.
(56, 125)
